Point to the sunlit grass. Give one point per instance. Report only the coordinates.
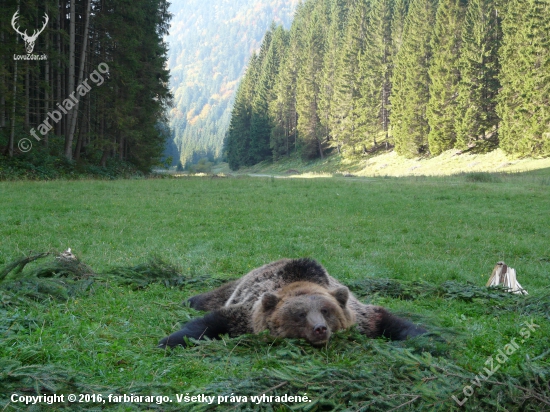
(390, 163)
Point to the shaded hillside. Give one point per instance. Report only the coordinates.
(210, 44)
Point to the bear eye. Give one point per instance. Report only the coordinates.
(324, 312)
(301, 315)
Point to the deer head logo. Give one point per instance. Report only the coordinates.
(29, 40)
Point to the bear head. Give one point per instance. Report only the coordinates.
(303, 310)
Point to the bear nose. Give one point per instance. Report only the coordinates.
(320, 330)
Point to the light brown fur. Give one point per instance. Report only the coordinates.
(296, 309)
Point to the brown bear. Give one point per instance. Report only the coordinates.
(292, 298)
(303, 310)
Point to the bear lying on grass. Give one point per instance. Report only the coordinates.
(292, 298)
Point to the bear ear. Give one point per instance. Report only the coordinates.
(269, 301)
(341, 295)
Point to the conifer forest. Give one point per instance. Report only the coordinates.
(418, 76)
(84, 81)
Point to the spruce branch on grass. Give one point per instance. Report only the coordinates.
(18, 265)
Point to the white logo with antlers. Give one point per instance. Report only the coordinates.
(29, 40)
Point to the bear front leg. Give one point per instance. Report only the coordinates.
(376, 321)
(210, 326)
(394, 327)
(232, 320)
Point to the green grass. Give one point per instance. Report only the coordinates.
(421, 232)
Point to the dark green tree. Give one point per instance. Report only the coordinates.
(411, 83)
(375, 66)
(281, 105)
(260, 126)
(525, 77)
(335, 35)
(282, 108)
(399, 16)
(347, 129)
(444, 76)
(314, 33)
(239, 141)
(476, 120)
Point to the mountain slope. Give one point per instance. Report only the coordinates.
(210, 44)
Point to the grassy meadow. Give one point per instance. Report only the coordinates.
(422, 246)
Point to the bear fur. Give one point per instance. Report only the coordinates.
(303, 310)
(292, 298)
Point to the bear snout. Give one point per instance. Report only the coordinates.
(319, 335)
(320, 330)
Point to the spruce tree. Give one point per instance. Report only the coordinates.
(476, 118)
(444, 76)
(309, 82)
(239, 129)
(375, 67)
(238, 142)
(282, 108)
(270, 56)
(346, 131)
(338, 20)
(525, 77)
(399, 16)
(259, 122)
(411, 83)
